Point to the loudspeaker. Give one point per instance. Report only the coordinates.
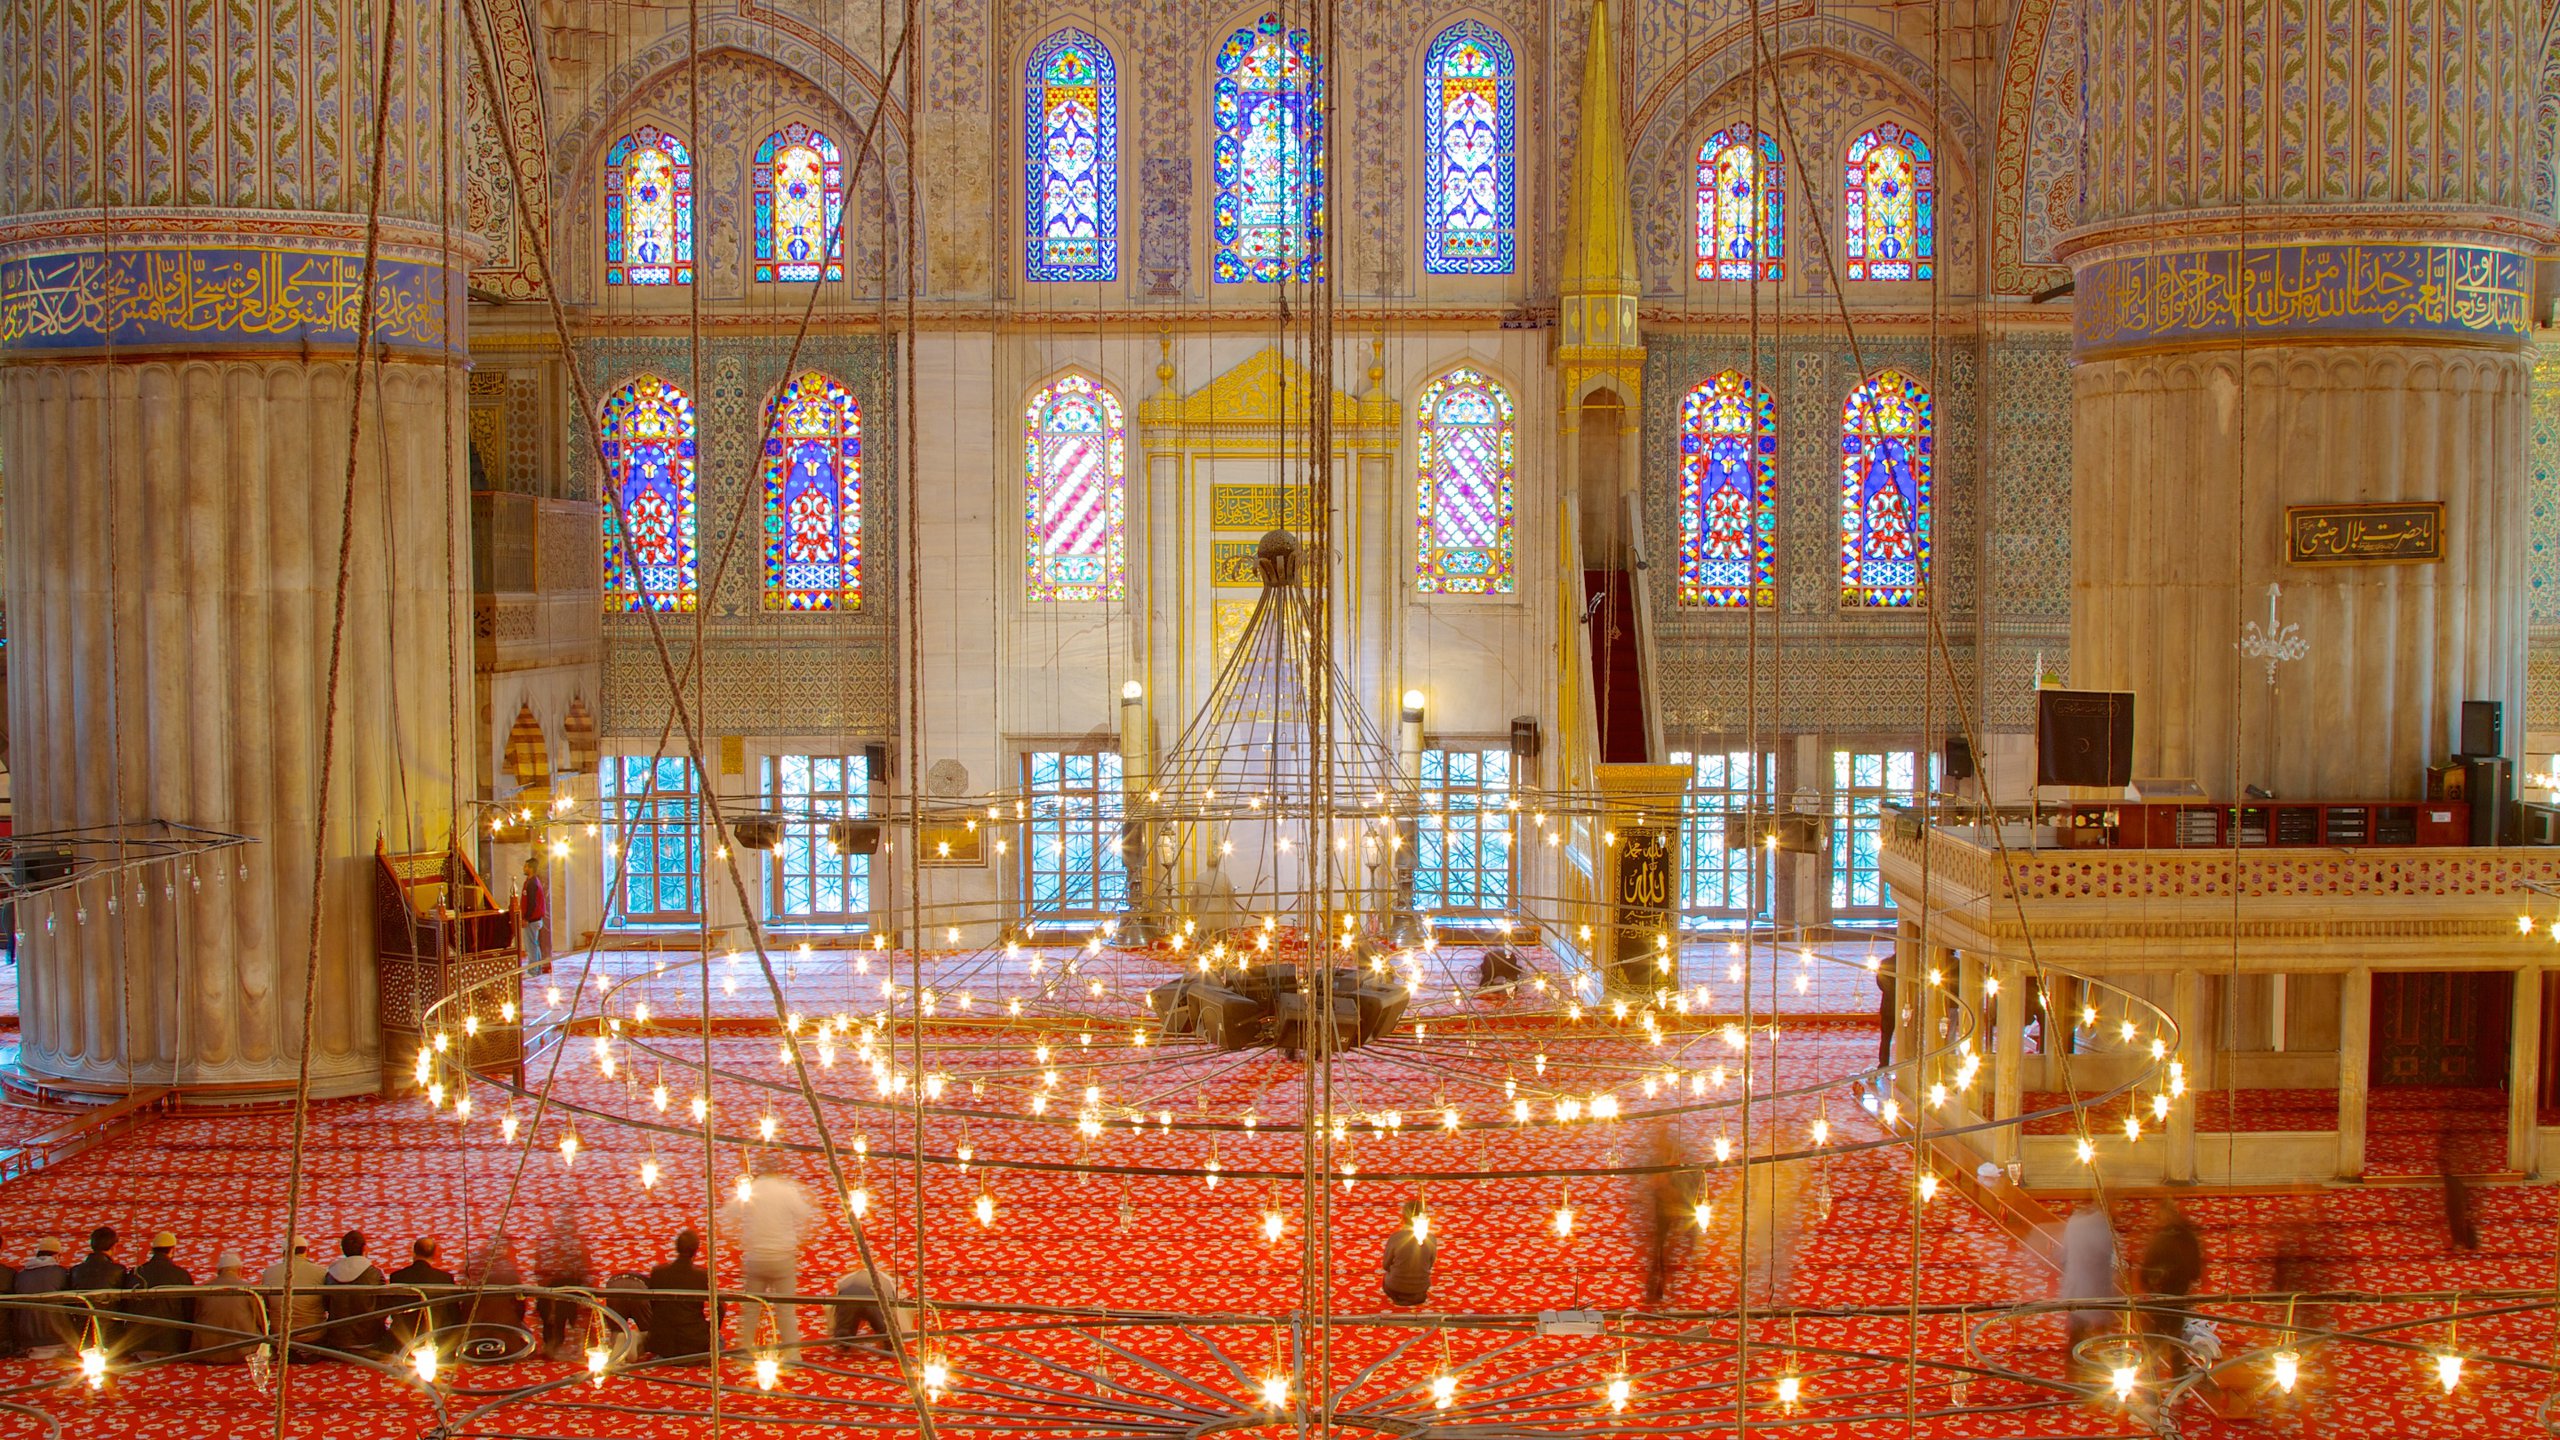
(2084, 737)
(1524, 737)
(33, 865)
(1500, 965)
(2489, 786)
(1959, 758)
(1381, 1006)
(2484, 725)
(854, 837)
(756, 832)
(1170, 1003)
(875, 760)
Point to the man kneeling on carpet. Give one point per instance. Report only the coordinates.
(861, 1305)
(676, 1326)
(352, 1299)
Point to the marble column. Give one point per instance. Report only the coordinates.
(2297, 294)
(182, 233)
(2355, 1046)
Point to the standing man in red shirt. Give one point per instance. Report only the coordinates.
(533, 916)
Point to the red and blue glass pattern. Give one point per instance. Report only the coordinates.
(1889, 223)
(1742, 207)
(648, 454)
(813, 497)
(1467, 452)
(1075, 456)
(799, 182)
(1071, 160)
(648, 210)
(1728, 494)
(1267, 221)
(1468, 144)
(1884, 493)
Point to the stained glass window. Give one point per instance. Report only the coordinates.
(1728, 493)
(1075, 454)
(1464, 492)
(1269, 164)
(1884, 492)
(648, 462)
(1742, 207)
(1071, 160)
(799, 206)
(813, 497)
(648, 210)
(1890, 223)
(1467, 144)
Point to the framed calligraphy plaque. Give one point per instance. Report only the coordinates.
(2401, 533)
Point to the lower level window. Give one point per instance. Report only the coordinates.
(1071, 846)
(810, 881)
(1723, 886)
(1462, 860)
(653, 812)
(1862, 782)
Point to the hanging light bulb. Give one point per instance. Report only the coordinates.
(1619, 1388)
(1272, 1226)
(746, 1189)
(569, 1149)
(93, 1366)
(598, 1358)
(1421, 1226)
(2448, 1369)
(2288, 1368)
(1705, 1214)
(1790, 1389)
(2122, 1378)
(937, 1376)
(507, 1128)
(858, 1200)
(1928, 1186)
(649, 1174)
(1444, 1391)
(1564, 1219)
(1275, 1392)
(768, 1370)
(986, 1208)
(424, 1363)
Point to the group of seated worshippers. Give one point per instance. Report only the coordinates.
(350, 1307)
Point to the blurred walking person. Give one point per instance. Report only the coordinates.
(770, 1221)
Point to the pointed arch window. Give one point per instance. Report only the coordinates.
(799, 206)
(1884, 493)
(1467, 449)
(648, 454)
(1889, 224)
(1728, 493)
(1469, 139)
(813, 497)
(1742, 207)
(1268, 218)
(648, 210)
(1075, 454)
(1071, 160)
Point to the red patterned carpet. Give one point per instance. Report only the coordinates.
(396, 1170)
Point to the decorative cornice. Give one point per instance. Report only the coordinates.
(1266, 393)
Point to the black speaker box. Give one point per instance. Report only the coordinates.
(1959, 758)
(875, 760)
(33, 865)
(2484, 727)
(854, 837)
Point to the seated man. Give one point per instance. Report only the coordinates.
(677, 1324)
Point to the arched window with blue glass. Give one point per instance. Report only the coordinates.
(1071, 160)
(813, 497)
(648, 210)
(1884, 493)
(799, 183)
(1728, 494)
(648, 451)
(1742, 207)
(1267, 218)
(1469, 140)
(1889, 219)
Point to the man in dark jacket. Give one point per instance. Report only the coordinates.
(1411, 1253)
(101, 1270)
(42, 1331)
(160, 1320)
(2172, 1263)
(414, 1326)
(676, 1324)
(348, 1299)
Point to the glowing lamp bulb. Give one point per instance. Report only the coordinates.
(768, 1372)
(569, 1149)
(2133, 1127)
(423, 1362)
(597, 1359)
(1619, 1387)
(2288, 1368)
(507, 1128)
(767, 1127)
(701, 1109)
(1821, 1131)
(1444, 1391)
(1928, 1186)
(2160, 1107)
(2088, 1152)
(1705, 1214)
(1564, 1220)
(2448, 1369)
(435, 1096)
(986, 1208)
(1275, 1392)
(93, 1366)
(1272, 1226)
(1421, 1226)
(937, 1376)
(2122, 1378)
(1790, 1389)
